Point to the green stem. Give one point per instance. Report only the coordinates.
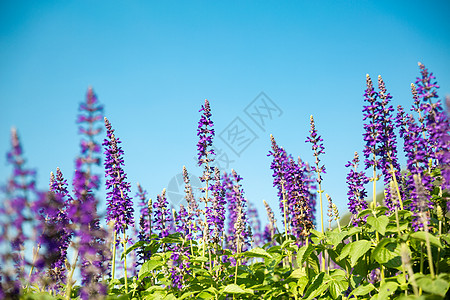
(125, 261)
(397, 187)
(429, 254)
(69, 279)
(35, 254)
(113, 260)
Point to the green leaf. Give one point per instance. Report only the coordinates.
(303, 253)
(338, 284)
(345, 251)
(335, 238)
(387, 253)
(362, 290)
(235, 289)
(387, 289)
(187, 294)
(438, 286)
(136, 245)
(200, 259)
(317, 287)
(364, 213)
(422, 235)
(302, 283)
(149, 266)
(297, 273)
(358, 249)
(378, 223)
(205, 295)
(257, 252)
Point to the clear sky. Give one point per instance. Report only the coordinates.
(152, 64)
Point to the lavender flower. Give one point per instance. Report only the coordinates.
(205, 132)
(20, 189)
(215, 213)
(193, 211)
(238, 232)
(161, 215)
(92, 248)
(145, 223)
(318, 149)
(356, 191)
(292, 183)
(89, 120)
(57, 232)
(388, 148)
(182, 226)
(437, 123)
(120, 206)
(270, 228)
(255, 224)
(415, 148)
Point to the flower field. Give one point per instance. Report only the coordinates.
(55, 244)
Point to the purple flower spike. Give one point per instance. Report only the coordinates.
(162, 216)
(205, 132)
(291, 179)
(20, 190)
(120, 206)
(215, 213)
(193, 211)
(237, 208)
(373, 129)
(318, 148)
(356, 191)
(388, 148)
(89, 120)
(145, 223)
(437, 123)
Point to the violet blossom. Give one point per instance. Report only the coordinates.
(356, 191)
(89, 120)
(120, 206)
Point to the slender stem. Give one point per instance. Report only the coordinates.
(237, 260)
(35, 254)
(69, 279)
(125, 261)
(429, 254)
(397, 187)
(113, 268)
(285, 209)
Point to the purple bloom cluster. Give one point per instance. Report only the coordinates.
(120, 206)
(437, 123)
(317, 146)
(238, 223)
(215, 213)
(356, 191)
(205, 132)
(20, 190)
(145, 222)
(89, 120)
(193, 211)
(92, 248)
(162, 216)
(255, 224)
(56, 231)
(291, 179)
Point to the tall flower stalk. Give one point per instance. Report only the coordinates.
(318, 149)
(89, 126)
(356, 191)
(205, 133)
(120, 206)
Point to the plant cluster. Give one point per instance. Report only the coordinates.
(214, 247)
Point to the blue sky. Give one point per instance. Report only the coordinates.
(152, 64)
